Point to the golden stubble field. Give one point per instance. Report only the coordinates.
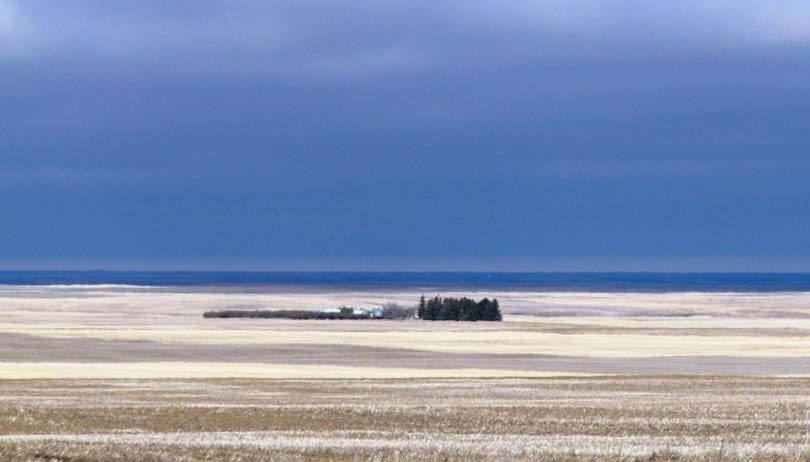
(147, 332)
(566, 418)
(118, 373)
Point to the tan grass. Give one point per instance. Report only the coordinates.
(154, 370)
(575, 418)
(493, 342)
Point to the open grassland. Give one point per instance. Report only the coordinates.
(542, 332)
(504, 341)
(107, 305)
(567, 418)
(209, 369)
(102, 373)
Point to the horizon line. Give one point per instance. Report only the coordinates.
(392, 271)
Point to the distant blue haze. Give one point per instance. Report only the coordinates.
(607, 282)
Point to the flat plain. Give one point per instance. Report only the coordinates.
(136, 373)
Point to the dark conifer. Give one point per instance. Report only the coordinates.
(458, 309)
(492, 312)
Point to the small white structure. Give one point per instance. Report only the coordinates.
(358, 311)
(376, 312)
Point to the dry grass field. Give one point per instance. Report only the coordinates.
(122, 373)
(587, 418)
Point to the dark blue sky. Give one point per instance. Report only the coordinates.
(508, 135)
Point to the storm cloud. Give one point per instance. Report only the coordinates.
(385, 134)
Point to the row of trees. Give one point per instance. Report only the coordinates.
(458, 309)
(389, 311)
(345, 314)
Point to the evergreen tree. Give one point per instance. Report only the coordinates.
(492, 311)
(452, 309)
(458, 309)
(469, 310)
(481, 310)
(441, 312)
(433, 309)
(465, 309)
(438, 310)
